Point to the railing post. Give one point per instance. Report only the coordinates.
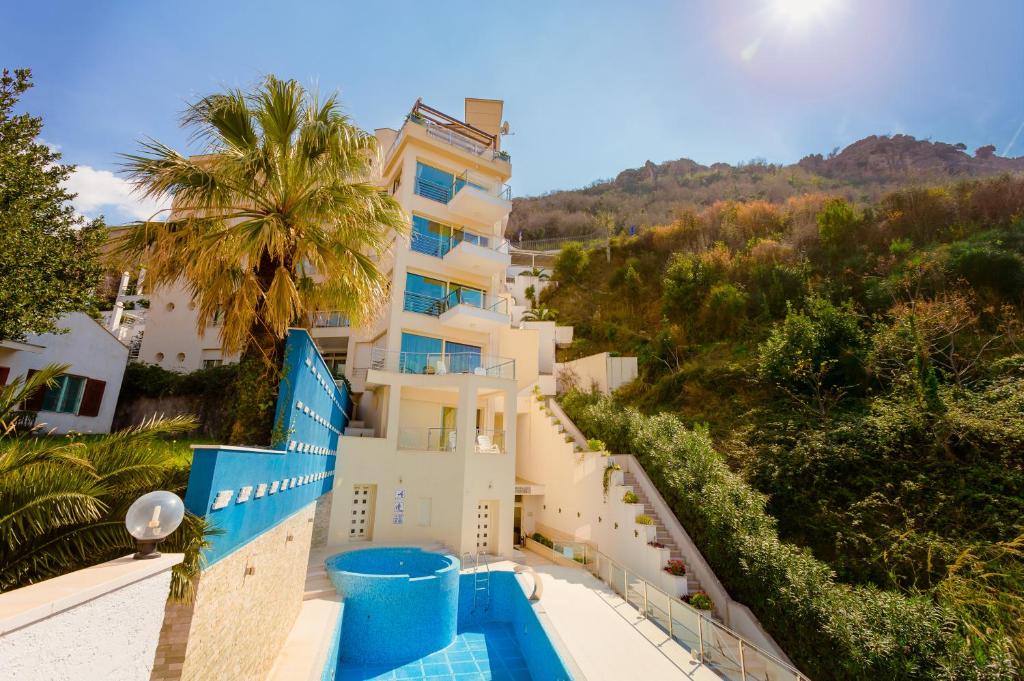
(670, 632)
(700, 636)
(743, 667)
(645, 598)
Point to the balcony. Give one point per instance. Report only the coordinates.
(428, 439)
(489, 441)
(473, 313)
(450, 130)
(442, 363)
(329, 320)
(464, 251)
(474, 200)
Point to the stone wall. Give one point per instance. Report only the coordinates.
(245, 606)
(322, 520)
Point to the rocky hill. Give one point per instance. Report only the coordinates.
(649, 195)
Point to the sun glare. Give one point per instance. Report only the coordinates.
(801, 14)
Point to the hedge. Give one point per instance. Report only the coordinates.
(829, 629)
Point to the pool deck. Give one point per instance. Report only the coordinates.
(606, 637)
(603, 637)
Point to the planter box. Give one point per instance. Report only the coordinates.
(676, 586)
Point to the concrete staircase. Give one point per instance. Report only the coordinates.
(358, 429)
(663, 536)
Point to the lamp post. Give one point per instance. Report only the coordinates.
(151, 518)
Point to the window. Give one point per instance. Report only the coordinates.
(210, 363)
(426, 355)
(434, 183)
(336, 362)
(159, 357)
(66, 396)
(433, 296)
(436, 238)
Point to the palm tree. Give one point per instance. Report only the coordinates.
(63, 499)
(278, 219)
(540, 314)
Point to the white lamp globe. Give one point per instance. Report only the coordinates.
(152, 517)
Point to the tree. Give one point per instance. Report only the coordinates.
(571, 262)
(63, 500)
(276, 220)
(48, 257)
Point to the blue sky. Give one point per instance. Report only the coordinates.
(590, 88)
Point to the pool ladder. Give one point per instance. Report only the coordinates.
(481, 580)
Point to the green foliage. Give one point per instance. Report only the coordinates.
(630, 497)
(606, 480)
(725, 309)
(988, 267)
(63, 499)
(870, 633)
(212, 390)
(818, 350)
(542, 540)
(595, 445)
(700, 600)
(838, 224)
(571, 262)
(49, 262)
(644, 519)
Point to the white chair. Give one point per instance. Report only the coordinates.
(452, 441)
(442, 369)
(480, 371)
(484, 445)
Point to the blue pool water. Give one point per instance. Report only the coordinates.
(399, 603)
(499, 637)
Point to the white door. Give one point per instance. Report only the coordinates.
(361, 527)
(483, 527)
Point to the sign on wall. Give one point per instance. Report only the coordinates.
(398, 516)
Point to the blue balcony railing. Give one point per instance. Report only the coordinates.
(423, 304)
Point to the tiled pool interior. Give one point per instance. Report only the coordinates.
(483, 652)
(498, 638)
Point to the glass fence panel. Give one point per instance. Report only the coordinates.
(685, 627)
(617, 579)
(764, 668)
(658, 604)
(721, 651)
(635, 592)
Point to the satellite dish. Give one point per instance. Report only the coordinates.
(505, 128)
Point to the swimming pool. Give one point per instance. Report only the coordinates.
(498, 634)
(399, 603)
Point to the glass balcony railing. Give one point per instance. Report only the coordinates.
(440, 246)
(443, 192)
(423, 304)
(428, 439)
(329, 319)
(442, 363)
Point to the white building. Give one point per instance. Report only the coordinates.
(86, 395)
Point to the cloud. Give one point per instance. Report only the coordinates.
(100, 191)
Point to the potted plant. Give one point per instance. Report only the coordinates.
(699, 600)
(656, 544)
(630, 497)
(648, 531)
(676, 569)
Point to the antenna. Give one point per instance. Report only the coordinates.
(505, 129)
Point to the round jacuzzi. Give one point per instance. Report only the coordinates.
(399, 603)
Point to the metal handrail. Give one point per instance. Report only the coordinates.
(330, 319)
(751, 662)
(424, 304)
(502, 191)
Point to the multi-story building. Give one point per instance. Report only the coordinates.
(430, 454)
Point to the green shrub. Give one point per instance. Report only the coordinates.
(644, 519)
(868, 633)
(571, 262)
(630, 497)
(595, 445)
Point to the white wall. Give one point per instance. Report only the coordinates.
(171, 332)
(603, 371)
(102, 622)
(91, 351)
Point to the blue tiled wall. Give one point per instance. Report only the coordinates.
(259, 488)
(311, 410)
(290, 482)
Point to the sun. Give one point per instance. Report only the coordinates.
(802, 14)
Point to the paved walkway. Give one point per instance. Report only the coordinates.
(606, 636)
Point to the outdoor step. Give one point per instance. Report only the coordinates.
(359, 432)
(356, 424)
